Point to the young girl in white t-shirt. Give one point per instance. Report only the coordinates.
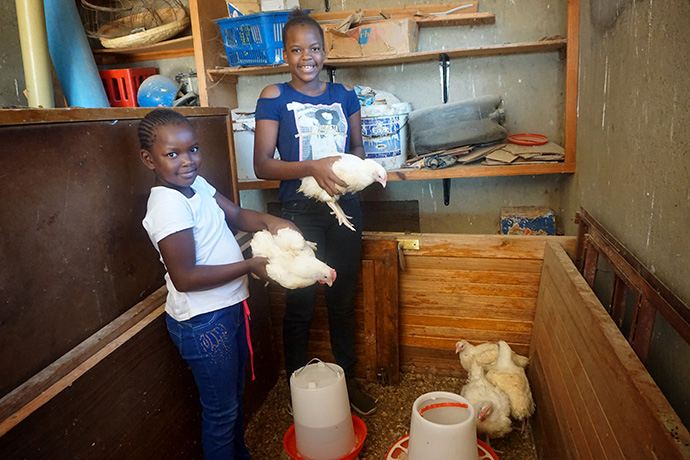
(206, 308)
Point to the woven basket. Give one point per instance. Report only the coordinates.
(118, 34)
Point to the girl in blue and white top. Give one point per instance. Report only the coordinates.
(206, 309)
(309, 121)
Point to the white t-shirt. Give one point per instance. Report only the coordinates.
(168, 212)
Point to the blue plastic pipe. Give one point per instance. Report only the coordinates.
(72, 56)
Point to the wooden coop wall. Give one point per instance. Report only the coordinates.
(473, 287)
(88, 368)
(594, 397)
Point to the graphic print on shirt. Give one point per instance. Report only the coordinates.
(321, 129)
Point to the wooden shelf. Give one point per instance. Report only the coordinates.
(420, 56)
(453, 172)
(177, 47)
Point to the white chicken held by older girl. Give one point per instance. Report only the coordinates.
(492, 406)
(358, 174)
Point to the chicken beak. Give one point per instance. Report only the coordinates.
(383, 180)
(333, 276)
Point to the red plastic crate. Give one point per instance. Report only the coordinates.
(121, 85)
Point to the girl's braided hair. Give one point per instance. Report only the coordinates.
(298, 18)
(154, 119)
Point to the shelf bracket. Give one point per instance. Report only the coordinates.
(331, 73)
(446, 191)
(444, 68)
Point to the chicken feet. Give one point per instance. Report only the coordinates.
(339, 214)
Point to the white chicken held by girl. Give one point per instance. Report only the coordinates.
(291, 260)
(492, 406)
(358, 174)
(512, 379)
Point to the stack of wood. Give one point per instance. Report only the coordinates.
(460, 155)
(525, 154)
(497, 154)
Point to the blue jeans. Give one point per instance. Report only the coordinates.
(215, 347)
(340, 248)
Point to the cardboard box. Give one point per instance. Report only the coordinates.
(279, 5)
(382, 38)
(238, 8)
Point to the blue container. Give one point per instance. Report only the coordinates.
(255, 39)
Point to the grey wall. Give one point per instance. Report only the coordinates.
(633, 164)
(532, 87)
(11, 68)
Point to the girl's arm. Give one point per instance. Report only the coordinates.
(267, 167)
(248, 220)
(179, 255)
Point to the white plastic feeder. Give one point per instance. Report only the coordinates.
(443, 427)
(321, 409)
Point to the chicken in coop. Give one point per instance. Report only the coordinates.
(485, 354)
(357, 173)
(292, 262)
(511, 378)
(492, 406)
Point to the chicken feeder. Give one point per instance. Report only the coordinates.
(324, 427)
(443, 427)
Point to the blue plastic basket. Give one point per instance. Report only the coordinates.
(255, 39)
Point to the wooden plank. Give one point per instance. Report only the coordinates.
(396, 12)
(682, 311)
(422, 289)
(617, 375)
(430, 271)
(208, 50)
(475, 264)
(571, 82)
(9, 117)
(436, 324)
(139, 399)
(591, 414)
(567, 410)
(549, 429)
(177, 47)
(420, 336)
(387, 321)
(479, 246)
(37, 391)
(544, 46)
(476, 311)
(644, 285)
(455, 171)
(369, 301)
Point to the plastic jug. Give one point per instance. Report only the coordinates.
(443, 427)
(321, 411)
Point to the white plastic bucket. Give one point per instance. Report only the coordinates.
(443, 427)
(321, 409)
(384, 132)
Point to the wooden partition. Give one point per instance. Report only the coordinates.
(594, 398)
(474, 287)
(437, 289)
(88, 369)
(376, 315)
